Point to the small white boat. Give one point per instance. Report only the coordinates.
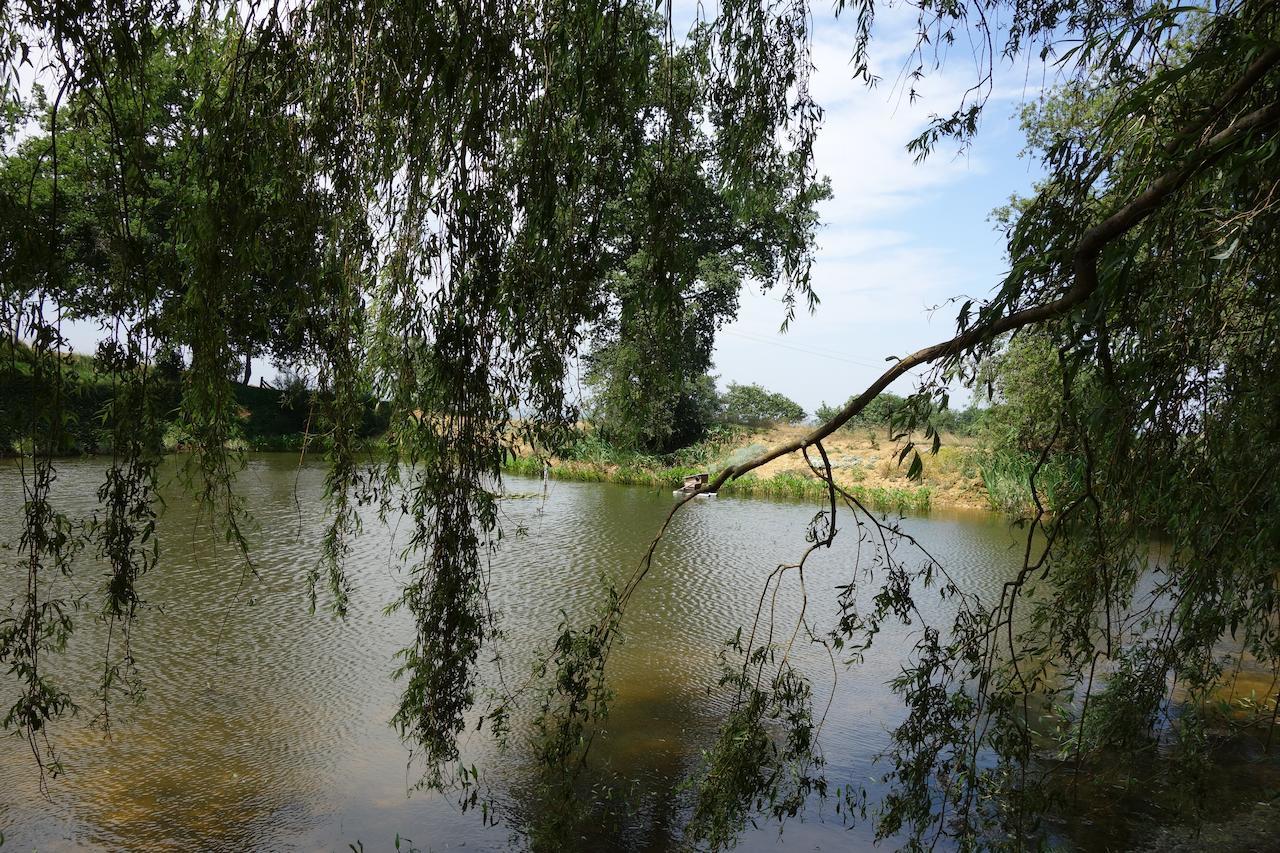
(691, 484)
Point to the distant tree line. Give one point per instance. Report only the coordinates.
(889, 410)
(625, 418)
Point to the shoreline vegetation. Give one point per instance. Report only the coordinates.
(964, 474)
(863, 464)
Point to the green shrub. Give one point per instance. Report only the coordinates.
(1007, 477)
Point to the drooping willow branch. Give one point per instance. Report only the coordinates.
(1085, 283)
(458, 182)
(1212, 143)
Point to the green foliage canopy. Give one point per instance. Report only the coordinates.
(685, 241)
(754, 405)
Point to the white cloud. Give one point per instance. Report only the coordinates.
(862, 144)
(899, 238)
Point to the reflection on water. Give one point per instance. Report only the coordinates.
(266, 728)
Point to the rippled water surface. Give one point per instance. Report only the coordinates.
(264, 727)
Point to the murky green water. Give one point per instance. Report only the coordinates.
(266, 728)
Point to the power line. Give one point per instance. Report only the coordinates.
(807, 350)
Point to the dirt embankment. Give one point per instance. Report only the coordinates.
(868, 458)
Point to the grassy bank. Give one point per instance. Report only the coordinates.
(1006, 476)
(275, 420)
(792, 486)
(592, 461)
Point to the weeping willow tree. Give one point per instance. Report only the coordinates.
(426, 198)
(687, 243)
(1142, 264)
(432, 188)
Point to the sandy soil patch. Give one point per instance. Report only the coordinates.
(870, 459)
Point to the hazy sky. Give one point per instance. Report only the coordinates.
(898, 238)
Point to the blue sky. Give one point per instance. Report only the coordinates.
(898, 238)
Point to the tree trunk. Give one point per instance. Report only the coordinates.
(248, 366)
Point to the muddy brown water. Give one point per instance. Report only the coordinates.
(267, 728)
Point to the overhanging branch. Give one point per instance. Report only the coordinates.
(1084, 271)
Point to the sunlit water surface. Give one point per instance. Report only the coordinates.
(264, 727)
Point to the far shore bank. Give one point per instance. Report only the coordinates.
(864, 463)
(864, 460)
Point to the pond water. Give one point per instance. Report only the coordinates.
(264, 727)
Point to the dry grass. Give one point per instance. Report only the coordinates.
(870, 460)
(865, 462)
